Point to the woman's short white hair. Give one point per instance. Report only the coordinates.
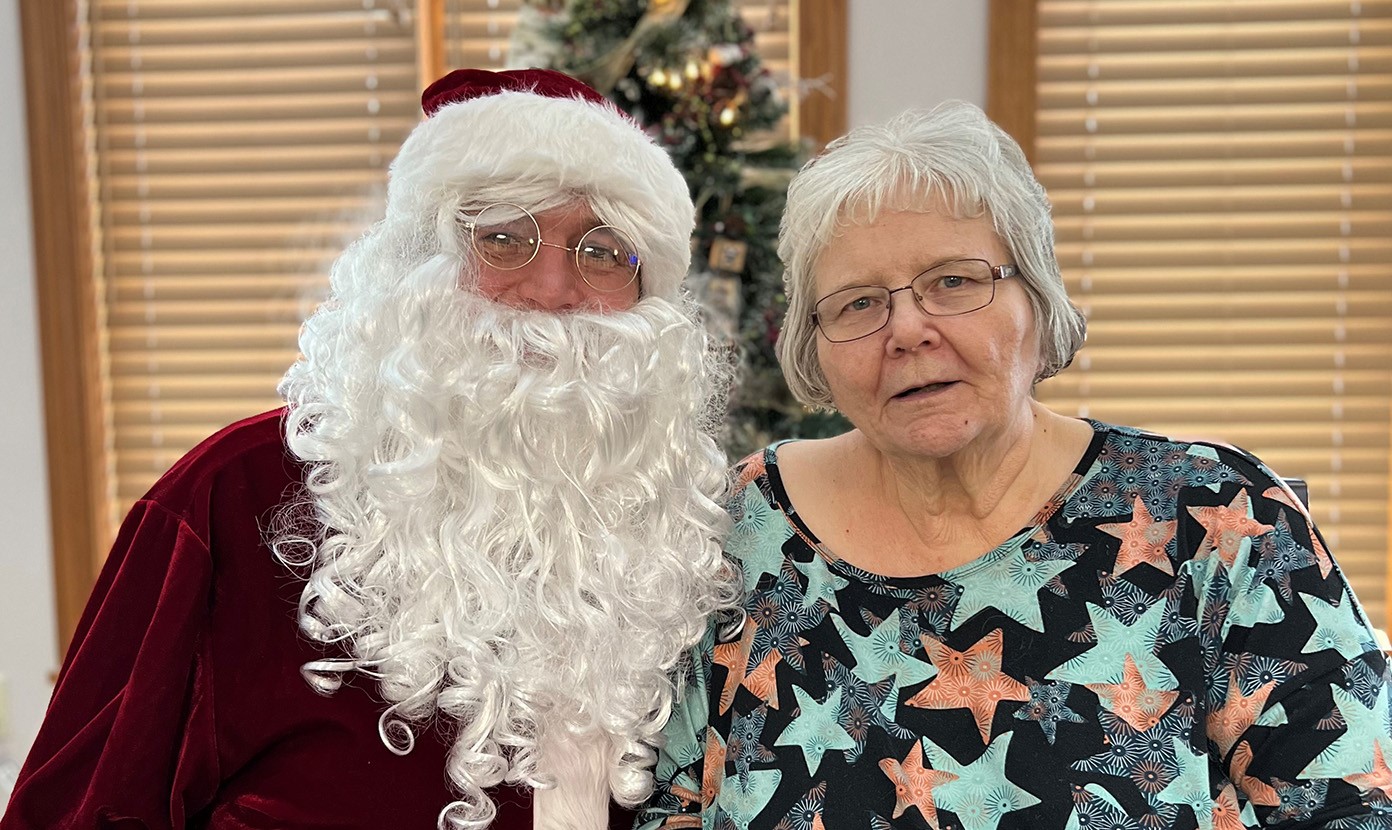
(952, 155)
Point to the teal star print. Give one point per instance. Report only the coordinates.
(743, 803)
(881, 655)
(1190, 786)
(1336, 627)
(1106, 661)
(685, 746)
(1010, 585)
(1253, 605)
(817, 728)
(1199, 451)
(1098, 809)
(756, 540)
(981, 795)
(1352, 753)
(821, 582)
(1275, 716)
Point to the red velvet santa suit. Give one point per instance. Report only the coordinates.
(181, 703)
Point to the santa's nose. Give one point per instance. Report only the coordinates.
(549, 282)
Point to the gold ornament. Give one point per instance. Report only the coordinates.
(728, 255)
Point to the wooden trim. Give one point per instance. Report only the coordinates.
(822, 56)
(1012, 69)
(430, 41)
(68, 334)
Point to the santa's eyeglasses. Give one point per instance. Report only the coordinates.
(507, 237)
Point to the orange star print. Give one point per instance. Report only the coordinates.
(1239, 711)
(714, 771)
(913, 785)
(970, 679)
(1257, 790)
(1377, 778)
(1226, 813)
(1143, 540)
(1132, 701)
(1226, 527)
(735, 657)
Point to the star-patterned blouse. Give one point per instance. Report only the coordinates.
(1168, 644)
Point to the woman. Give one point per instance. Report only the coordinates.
(972, 612)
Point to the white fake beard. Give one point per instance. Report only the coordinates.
(525, 533)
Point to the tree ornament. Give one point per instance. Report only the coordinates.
(728, 255)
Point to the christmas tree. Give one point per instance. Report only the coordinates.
(689, 72)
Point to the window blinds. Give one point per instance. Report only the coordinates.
(1221, 174)
(238, 146)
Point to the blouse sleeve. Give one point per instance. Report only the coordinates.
(1299, 711)
(691, 760)
(128, 740)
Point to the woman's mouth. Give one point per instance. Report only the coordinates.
(921, 391)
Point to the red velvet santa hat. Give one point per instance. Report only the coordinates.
(540, 127)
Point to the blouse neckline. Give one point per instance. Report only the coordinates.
(778, 495)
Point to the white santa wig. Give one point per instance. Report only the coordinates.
(512, 518)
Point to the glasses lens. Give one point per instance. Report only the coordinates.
(607, 258)
(853, 312)
(955, 287)
(505, 236)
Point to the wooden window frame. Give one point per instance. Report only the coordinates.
(75, 433)
(1012, 93)
(67, 308)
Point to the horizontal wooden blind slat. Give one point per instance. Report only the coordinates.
(1063, 13)
(1069, 96)
(195, 9)
(390, 122)
(1340, 115)
(1276, 195)
(1145, 66)
(1202, 36)
(269, 111)
(254, 80)
(354, 177)
(121, 30)
(368, 52)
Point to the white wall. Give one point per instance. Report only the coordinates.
(914, 53)
(902, 53)
(27, 628)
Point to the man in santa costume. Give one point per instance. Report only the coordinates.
(449, 583)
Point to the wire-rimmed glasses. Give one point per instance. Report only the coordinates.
(946, 290)
(507, 237)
